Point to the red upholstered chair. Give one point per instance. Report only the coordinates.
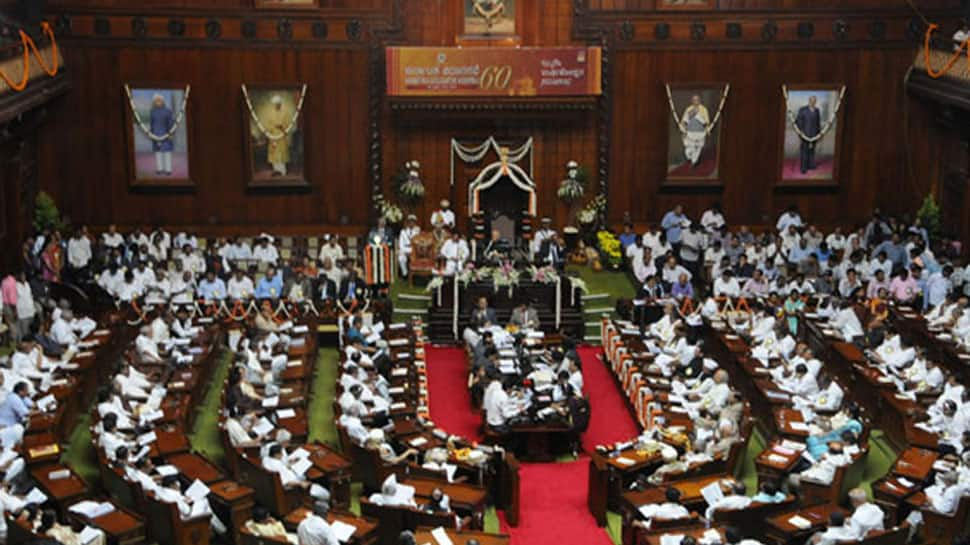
(424, 255)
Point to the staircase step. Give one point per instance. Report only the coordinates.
(601, 310)
(592, 324)
(410, 311)
(414, 297)
(592, 338)
(593, 296)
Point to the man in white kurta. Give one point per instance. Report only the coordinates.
(694, 123)
(404, 239)
(314, 529)
(455, 252)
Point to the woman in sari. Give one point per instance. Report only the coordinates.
(52, 259)
(793, 307)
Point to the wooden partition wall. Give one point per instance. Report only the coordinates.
(357, 138)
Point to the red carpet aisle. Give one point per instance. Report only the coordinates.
(610, 420)
(448, 398)
(553, 496)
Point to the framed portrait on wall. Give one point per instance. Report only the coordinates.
(490, 17)
(811, 134)
(686, 4)
(285, 4)
(694, 133)
(157, 120)
(275, 135)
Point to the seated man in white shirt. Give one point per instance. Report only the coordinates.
(823, 470)
(314, 529)
(726, 285)
(669, 510)
(735, 499)
(847, 323)
(170, 491)
(393, 494)
(837, 532)
(276, 462)
(802, 383)
(866, 516)
(146, 347)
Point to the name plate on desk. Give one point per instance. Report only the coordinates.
(487, 71)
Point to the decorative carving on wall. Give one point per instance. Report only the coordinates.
(284, 29)
(64, 25)
(733, 31)
(661, 31)
(249, 29)
(138, 27)
(627, 31)
(605, 117)
(213, 29)
(877, 30)
(320, 30)
(840, 28)
(806, 29)
(697, 31)
(769, 31)
(355, 30)
(176, 28)
(102, 26)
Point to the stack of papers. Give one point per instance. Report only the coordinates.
(92, 509)
(441, 536)
(342, 530)
(800, 522)
(197, 491)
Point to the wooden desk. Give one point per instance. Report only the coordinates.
(784, 418)
(690, 493)
(337, 469)
(195, 467)
(63, 492)
(464, 498)
(366, 533)
(233, 503)
(460, 538)
(774, 465)
(169, 442)
(121, 527)
(781, 532)
(696, 533)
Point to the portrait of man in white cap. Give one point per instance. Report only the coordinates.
(277, 137)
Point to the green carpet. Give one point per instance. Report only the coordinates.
(79, 453)
(323, 392)
(205, 437)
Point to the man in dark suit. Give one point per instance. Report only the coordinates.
(352, 288)
(553, 252)
(482, 314)
(809, 122)
(326, 288)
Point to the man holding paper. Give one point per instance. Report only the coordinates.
(314, 529)
(292, 470)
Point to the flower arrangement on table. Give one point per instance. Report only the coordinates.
(610, 248)
(543, 275)
(593, 211)
(505, 276)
